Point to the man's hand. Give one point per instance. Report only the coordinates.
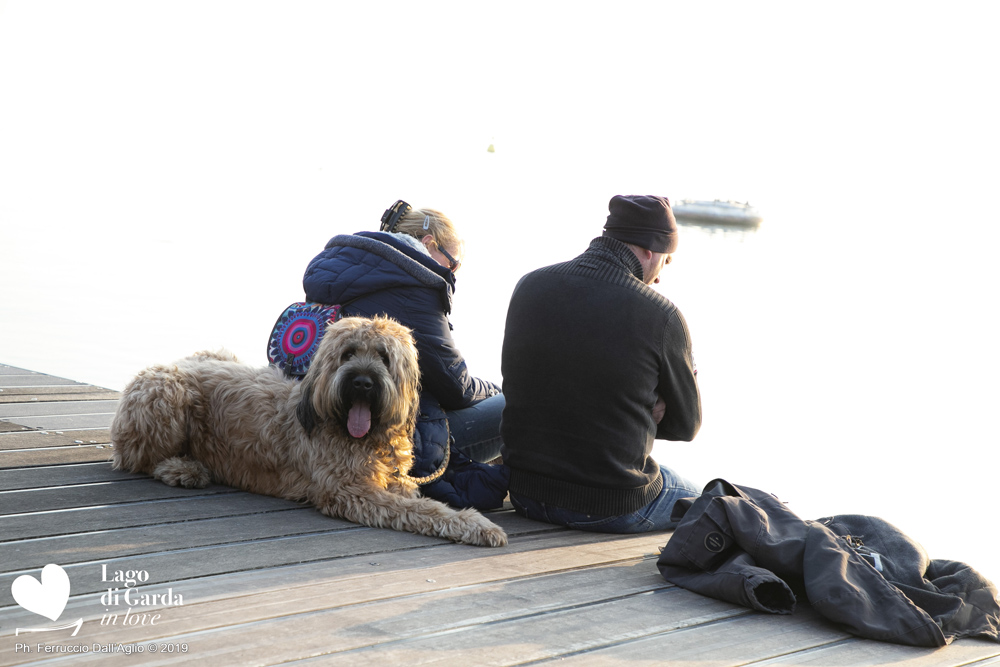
(659, 409)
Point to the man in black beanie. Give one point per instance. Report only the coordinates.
(595, 365)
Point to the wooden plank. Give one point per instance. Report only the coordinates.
(86, 519)
(54, 438)
(301, 589)
(783, 639)
(23, 458)
(98, 493)
(18, 411)
(7, 369)
(197, 562)
(59, 415)
(733, 641)
(77, 391)
(122, 542)
(27, 554)
(863, 653)
(554, 635)
(441, 612)
(83, 392)
(66, 422)
(29, 379)
(7, 427)
(64, 475)
(532, 637)
(194, 562)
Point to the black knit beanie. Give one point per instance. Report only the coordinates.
(643, 220)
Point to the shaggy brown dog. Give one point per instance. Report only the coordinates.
(340, 439)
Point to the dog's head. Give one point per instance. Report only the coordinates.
(364, 379)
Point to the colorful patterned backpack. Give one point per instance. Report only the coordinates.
(296, 335)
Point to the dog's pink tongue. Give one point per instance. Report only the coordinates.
(359, 419)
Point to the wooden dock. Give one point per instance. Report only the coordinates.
(223, 577)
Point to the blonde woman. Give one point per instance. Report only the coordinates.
(406, 271)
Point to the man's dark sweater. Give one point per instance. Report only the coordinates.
(587, 350)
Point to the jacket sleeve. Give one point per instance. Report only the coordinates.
(678, 386)
(443, 370)
(737, 580)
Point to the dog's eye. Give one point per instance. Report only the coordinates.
(385, 358)
(347, 356)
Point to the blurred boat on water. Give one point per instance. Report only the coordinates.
(717, 212)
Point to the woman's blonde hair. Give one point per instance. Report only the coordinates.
(420, 222)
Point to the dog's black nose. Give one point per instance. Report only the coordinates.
(363, 382)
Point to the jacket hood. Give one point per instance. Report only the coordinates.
(353, 266)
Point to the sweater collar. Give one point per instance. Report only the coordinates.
(615, 251)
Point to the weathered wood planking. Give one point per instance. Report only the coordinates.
(22, 447)
(737, 640)
(401, 628)
(265, 593)
(144, 513)
(97, 494)
(64, 475)
(64, 422)
(119, 543)
(81, 392)
(21, 439)
(27, 401)
(12, 379)
(269, 581)
(6, 369)
(228, 550)
(18, 411)
(54, 455)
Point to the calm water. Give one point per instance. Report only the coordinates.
(842, 377)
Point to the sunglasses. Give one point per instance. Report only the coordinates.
(454, 263)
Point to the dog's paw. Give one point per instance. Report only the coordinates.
(481, 532)
(494, 537)
(176, 471)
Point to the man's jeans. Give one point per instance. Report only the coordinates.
(476, 429)
(654, 516)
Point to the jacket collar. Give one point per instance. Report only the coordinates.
(614, 251)
(424, 260)
(406, 259)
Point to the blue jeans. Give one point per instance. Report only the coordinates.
(654, 516)
(476, 429)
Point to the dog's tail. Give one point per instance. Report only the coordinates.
(151, 423)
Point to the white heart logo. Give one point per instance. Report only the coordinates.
(47, 598)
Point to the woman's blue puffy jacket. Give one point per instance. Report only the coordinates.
(375, 274)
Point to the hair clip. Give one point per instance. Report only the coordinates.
(427, 222)
(392, 215)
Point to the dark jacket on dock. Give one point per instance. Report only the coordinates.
(377, 274)
(743, 545)
(588, 347)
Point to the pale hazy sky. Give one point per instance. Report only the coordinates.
(108, 107)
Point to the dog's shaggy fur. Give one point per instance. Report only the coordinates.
(340, 439)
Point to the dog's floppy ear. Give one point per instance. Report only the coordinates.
(306, 413)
